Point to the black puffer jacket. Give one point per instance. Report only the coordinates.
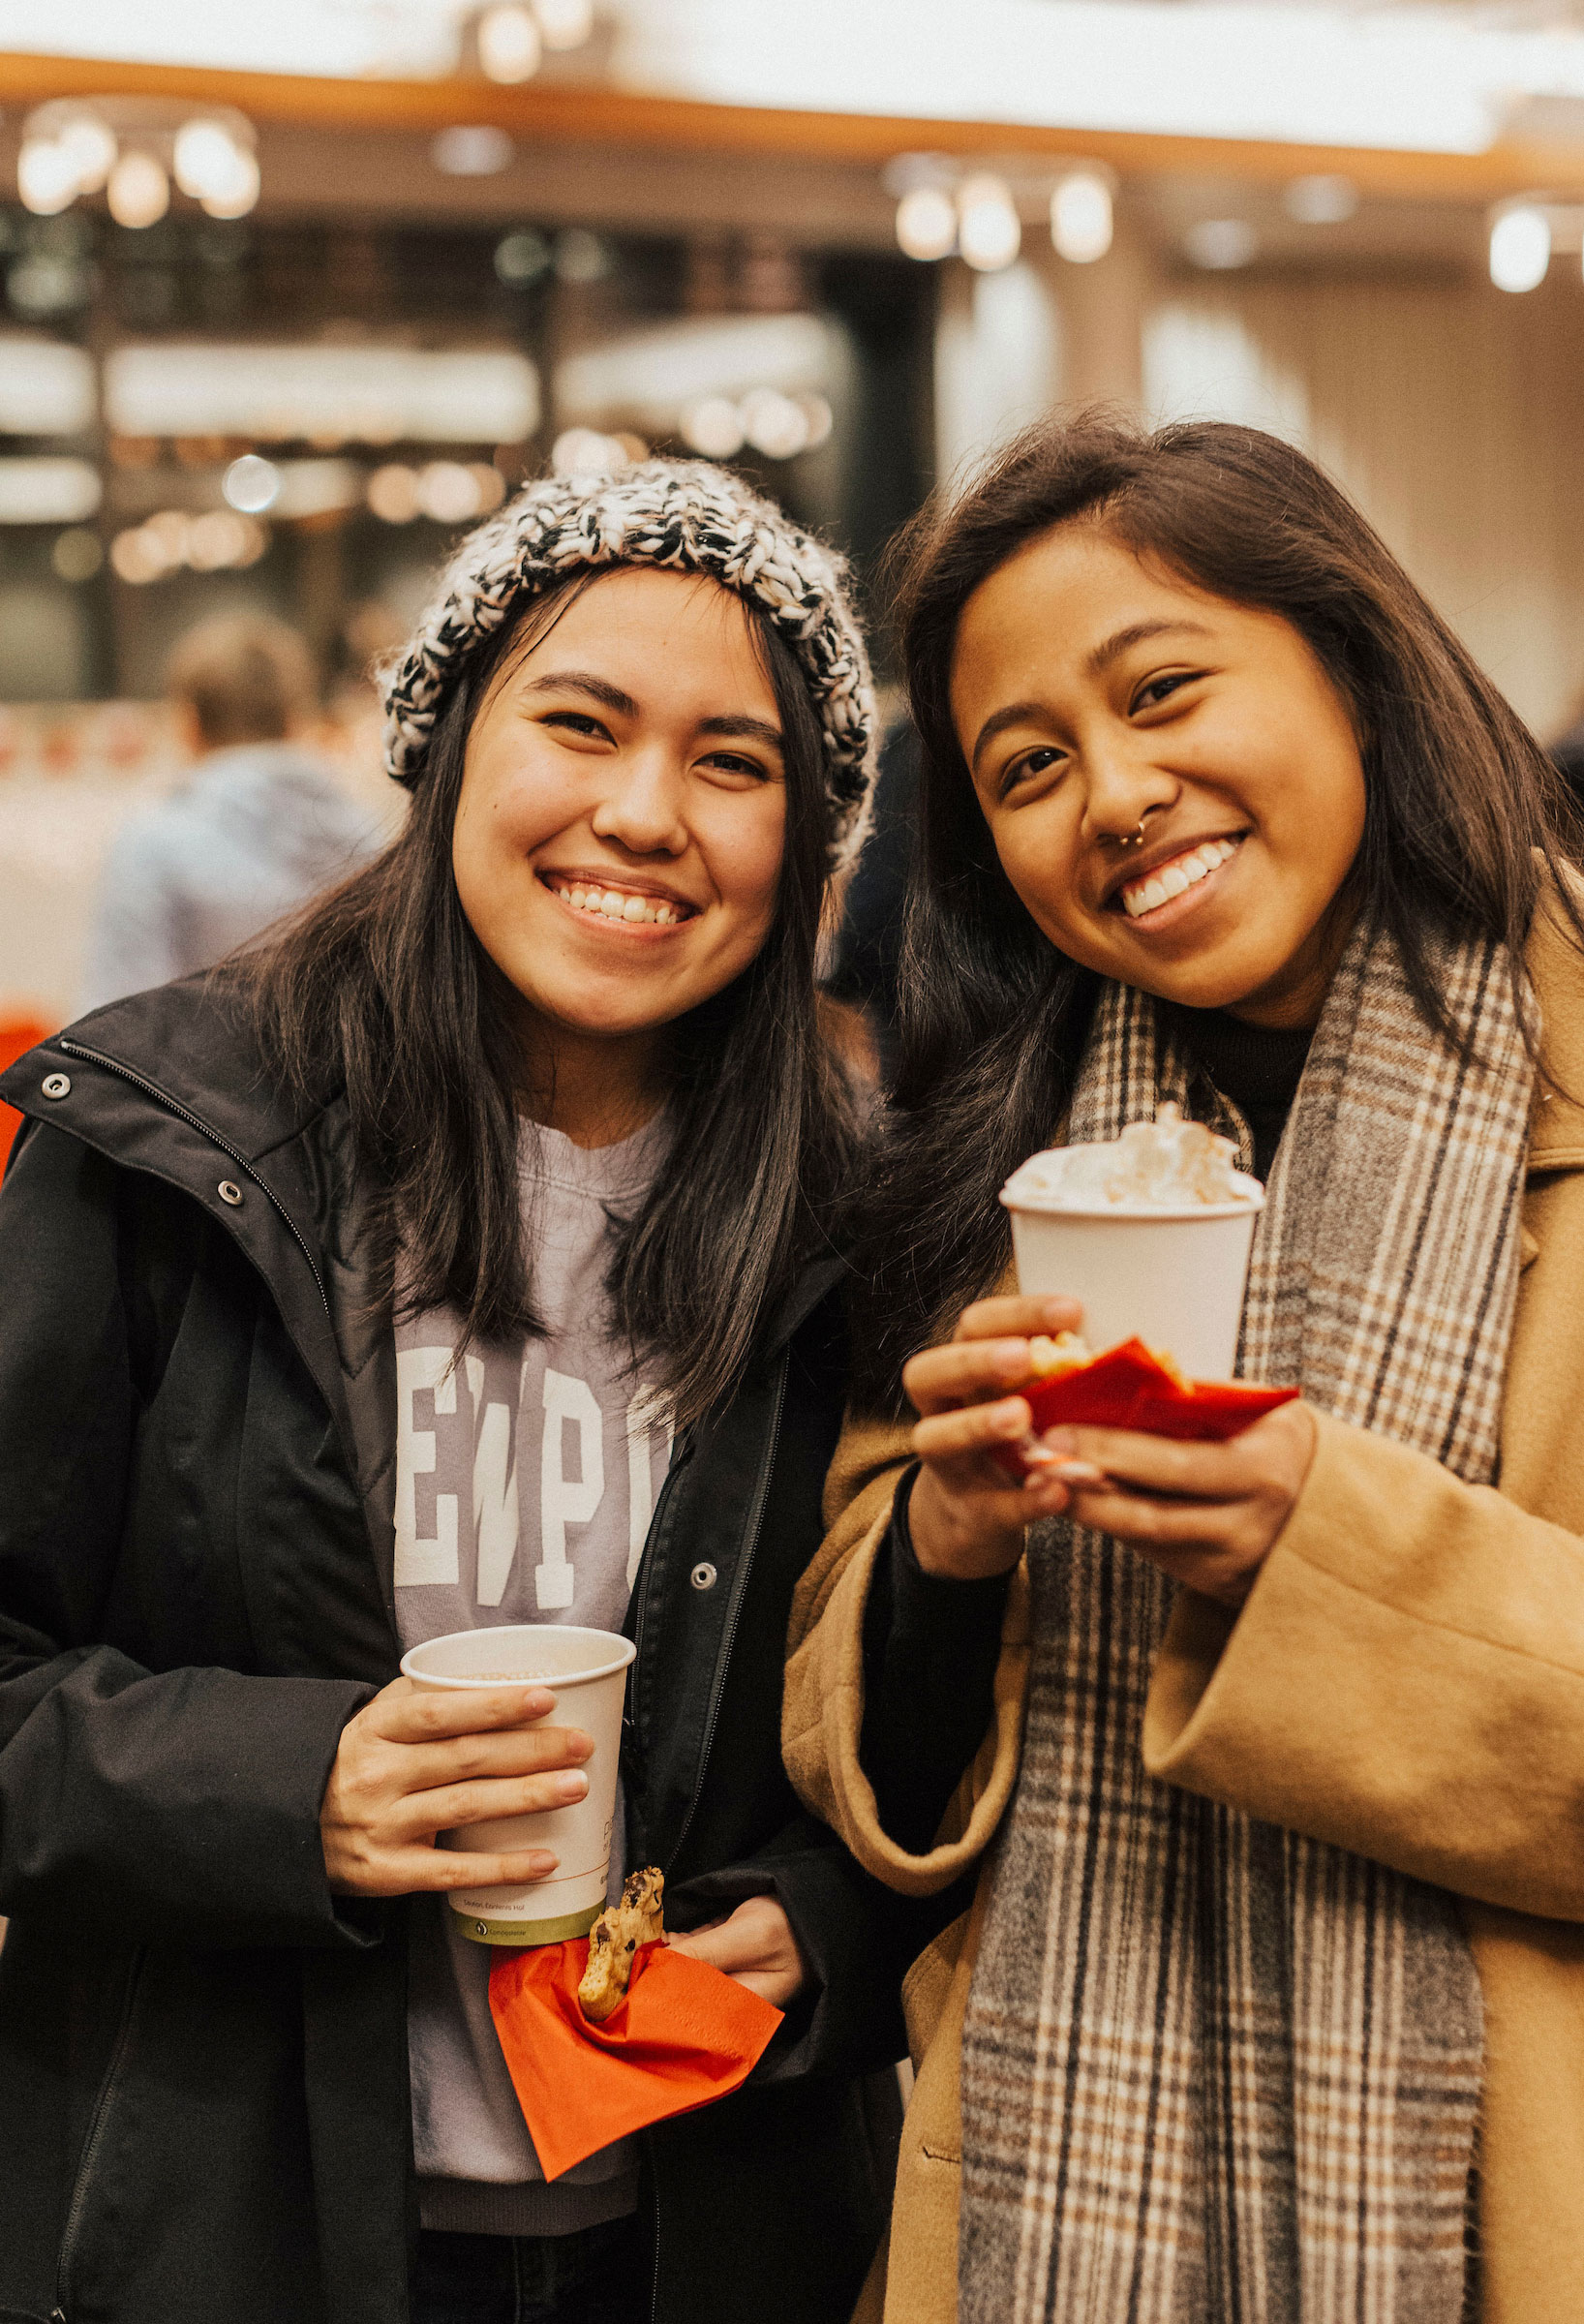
(204, 2100)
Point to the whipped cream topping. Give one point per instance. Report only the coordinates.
(1167, 1163)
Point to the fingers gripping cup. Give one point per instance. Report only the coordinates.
(1151, 1232)
(588, 1672)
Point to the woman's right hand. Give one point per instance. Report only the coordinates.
(967, 1516)
(418, 1761)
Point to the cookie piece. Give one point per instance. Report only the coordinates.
(615, 1938)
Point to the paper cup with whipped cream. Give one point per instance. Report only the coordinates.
(1151, 1232)
(587, 1672)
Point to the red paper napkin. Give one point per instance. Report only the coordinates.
(1129, 1388)
(686, 2035)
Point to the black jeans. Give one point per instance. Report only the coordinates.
(599, 2276)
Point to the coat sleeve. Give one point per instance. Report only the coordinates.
(858, 1940)
(1405, 1679)
(156, 1805)
(823, 1706)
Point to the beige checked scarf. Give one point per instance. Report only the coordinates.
(1215, 2072)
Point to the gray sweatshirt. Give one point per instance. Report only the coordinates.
(525, 1482)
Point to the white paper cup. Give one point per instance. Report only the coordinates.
(587, 1671)
(1173, 1279)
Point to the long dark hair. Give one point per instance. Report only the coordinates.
(1459, 799)
(382, 990)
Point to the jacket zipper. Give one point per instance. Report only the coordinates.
(90, 2146)
(74, 1049)
(757, 1527)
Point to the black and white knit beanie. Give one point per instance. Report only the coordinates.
(687, 514)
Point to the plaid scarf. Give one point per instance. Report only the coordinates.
(1215, 2072)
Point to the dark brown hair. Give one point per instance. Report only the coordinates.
(246, 677)
(1459, 799)
(382, 990)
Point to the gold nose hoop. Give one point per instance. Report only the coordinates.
(1133, 838)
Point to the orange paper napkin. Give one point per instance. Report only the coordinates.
(686, 2035)
(1128, 1387)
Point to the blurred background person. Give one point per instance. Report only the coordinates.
(259, 826)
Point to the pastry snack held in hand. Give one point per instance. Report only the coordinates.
(615, 1938)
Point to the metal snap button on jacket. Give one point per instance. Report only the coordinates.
(56, 1085)
(703, 1578)
(229, 1193)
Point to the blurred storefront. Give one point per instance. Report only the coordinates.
(843, 252)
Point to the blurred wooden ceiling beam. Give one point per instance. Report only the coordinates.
(569, 113)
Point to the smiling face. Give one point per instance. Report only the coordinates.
(1094, 692)
(618, 837)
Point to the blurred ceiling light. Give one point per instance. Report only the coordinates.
(139, 192)
(509, 44)
(217, 167)
(522, 257)
(581, 257)
(1220, 243)
(136, 557)
(88, 142)
(491, 483)
(47, 491)
(173, 529)
(774, 425)
(564, 23)
(712, 426)
(587, 452)
(392, 493)
(310, 488)
(77, 555)
(204, 158)
(471, 150)
(926, 222)
(1322, 199)
(47, 177)
(449, 492)
(1520, 248)
(252, 484)
(219, 538)
(47, 388)
(820, 417)
(1080, 217)
(271, 392)
(989, 233)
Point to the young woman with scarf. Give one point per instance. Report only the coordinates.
(1270, 2001)
(355, 1295)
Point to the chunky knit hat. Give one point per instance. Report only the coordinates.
(684, 514)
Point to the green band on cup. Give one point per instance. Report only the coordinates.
(530, 1932)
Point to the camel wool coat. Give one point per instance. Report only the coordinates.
(1405, 1679)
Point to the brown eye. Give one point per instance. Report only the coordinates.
(1033, 762)
(1157, 690)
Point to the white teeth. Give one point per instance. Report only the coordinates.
(1176, 877)
(611, 903)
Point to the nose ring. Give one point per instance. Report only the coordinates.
(1133, 838)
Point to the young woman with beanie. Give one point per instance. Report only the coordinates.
(458, 1258)
(1270, 2002)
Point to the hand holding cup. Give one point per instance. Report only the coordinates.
(413, 1763)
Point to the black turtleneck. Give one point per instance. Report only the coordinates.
(1257, 1068)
